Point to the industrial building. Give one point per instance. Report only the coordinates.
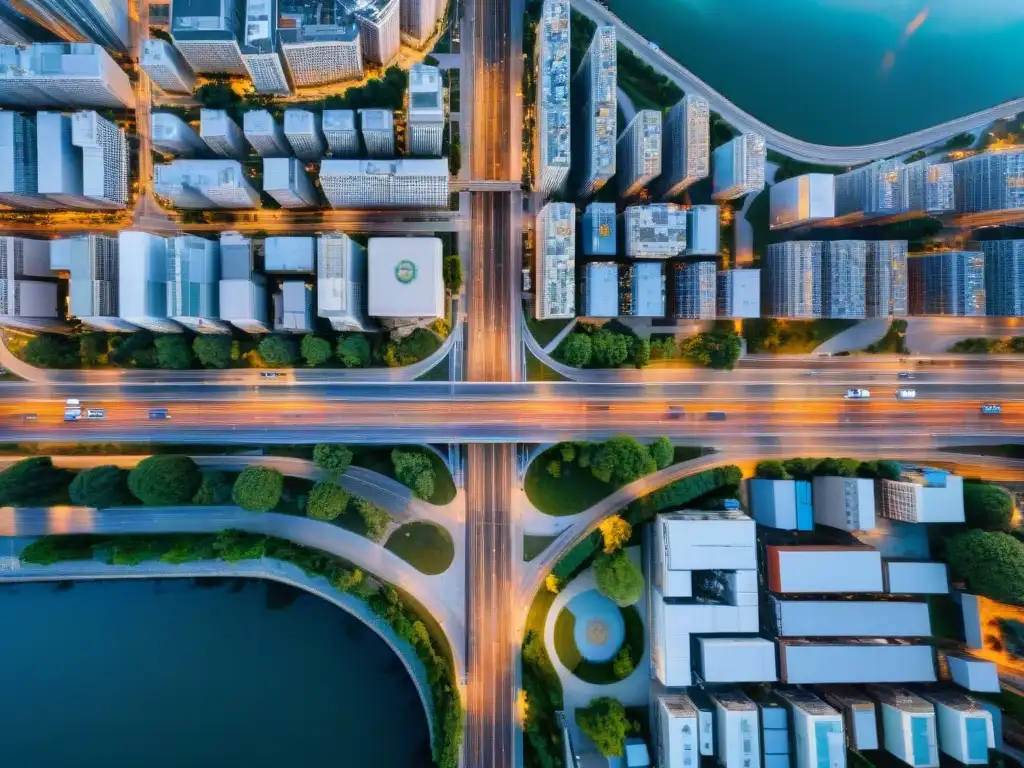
(390, 183)
(694, 289)
(302, 129)
(340, 131)
(847, 503)
(921, 495)
(656, 231)
(817, 730)
(553, 118)
(702, 230)
(242, 291)
(908, 726)
(806, 662)
(265, 134)
(222, 134)
(802, 200)
(783, 504)
(1004, 277)
(686, 145)
(405, 282)
(638, 151)
(599, 230)
(63, 75)
(555, 268)
(904, 577)
(601, 289)
(823, 569)
(947, 283)
(851, 618)
(738, 167)
(289, 255)
(205, 184)
(166, 67)
(595, 84)
(173, 136)
(735, 660)
(285, 179)
(739, 293)
(644, 289)
(341, 282)
(426, 114)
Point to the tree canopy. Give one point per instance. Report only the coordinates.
(662, 452)
(212, 349)
(354, 351)
(327, 501)
(173, 352)
(610, 349)
(165, 479)
(314, 350)
(605, 723)
(375, 518)
(258, 489)
(622, 460)
(332, 457)
(415, 471)
(49, 350)
(988, 507)
(30, 481)
(615, 532)
(991, 562)
(277, 351)
(100, 487)
(453, 273)
(577, 350)
(618, 578)
(771, 469)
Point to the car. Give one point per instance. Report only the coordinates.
(715, 416)
(991, 409)
(906, 394)
(906, 375)
(654, 45)
(858, 394)
(95, 413)
(159, 413)
(271, 374)
(675, 412)
(29, 417)
(813, 373)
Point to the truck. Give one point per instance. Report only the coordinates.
(72, 410)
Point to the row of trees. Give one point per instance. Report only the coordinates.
(619, 460)
(603, 348)
(806, 468)
(606, 723)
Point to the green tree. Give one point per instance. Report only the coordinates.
(771, 470)
(30, 481)
(217, 94)
(610, 349)
(605, 723)
(641, 352)
(991, 562)
(618, 578)
(100, 487)
(554, 468)
(258, 489)
(212, 350)
(327, 501)
(622, 664)
(214, 490)
(577, 350)
(354, 351)
(889, 470)
(415, 471)
(622, 460)
(92, 348)
(801, 468)
(615, 533)
(314, 350)
(277, 351)
(50, 350)
(988, 507)
(837, 468)
(453, 273)
(662, 452)
(375, 518)
(173, 352)
(567, 452)
(334, 458)
(165, 479)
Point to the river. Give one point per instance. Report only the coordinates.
(844, 71)
(164, 674)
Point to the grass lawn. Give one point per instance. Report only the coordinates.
(377, 458)
(576, 490)
(537, 371)
(545, 330)
(792, 337)
(534, 545)
(427, 547)
(599, 673)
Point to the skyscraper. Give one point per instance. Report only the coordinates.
(166, 67)
(556, 262)
(927, 187)
(947, 283)
(62, 75)
(886, 278)
(104, 159)
(302, 129)
(802, 200)
(418, 19)
(871, 191)
(702, 230)
(378, 126)
(18, 29)
(259, 48)
(28, 304)
(205, 184)
(1004, 277)
(695, 287)
(392, 183)
(104, 22)
(595, 83)
(60, 162)
(379, 30)
(94, 265)
(792, 271)
(990, 183)
(285, 179)
(656, 231)
(173, 136)
(686, 145)
(341, 282)
(425, 123)
(318, 54)
(843, 277)
(19, 162)
(553, 96)
(206, 32)
(193, 274)
(142, 281)
(739, 293)
(599, 237)
(639, 152)
(738, 167)
(222, 134)
(340, 132)
(242, 292)
(264, 134)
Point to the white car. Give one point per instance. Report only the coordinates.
(906, 394)
(858, 394)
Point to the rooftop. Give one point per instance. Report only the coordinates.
(405, 167)
(204, 19)
(339, 120)
(424, 87)
(376, 119)
(655, 230)
(260, 26)
(554, 81)
(404, 277)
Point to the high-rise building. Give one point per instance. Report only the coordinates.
(222, 134)
(173, 136)
(205, 184)
(687, 144)
(886, 278)
(600, 289)
(293, 307)
(393, 183)
(193, 274)
(947, 283)
(22, 257)
(644, 289)
(264, 134)
(843, 276)
(555, 269)
(142, 281)
(990, 183)
(302, 129)
(242, 292)
(639, 152)
(1004, 277)
(405, 284)
(553, 96)
(341, 282)
(28, 304)
(18, 29)
(792, 271)
(870, 191)
(695, 287)
(260, 50)
(64, 75)
(60, 162)
(95, 274)
(739, 293)
(418, 20)
(599, 230)
(285, 179)
(927, 187)
(104, 159)
(379, 30)
(802, 200)
(378, 127)
(595, 84)
(19, 163)
(316, 53)
(702, 230)
(104, 22)
(166, 67)
(738, 167)
(207, 32)
(424, 128)
(656, 231)
(340, 132)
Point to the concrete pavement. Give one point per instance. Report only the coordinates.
(935, 335)
(854, 339)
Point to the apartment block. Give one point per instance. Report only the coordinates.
(319, 53)
(173, 136)
(872, 191)
(260, 48)
(737, 733)
(206, 32)
(265, 134)
(419, 19)
(990, 186)
(341, 284)
(886, 278)
(965, 728)
(64, 75)
(1004, 277)
(638, 150)
(242, 292)
(302, 129)
(285, 179)
(425, 123)
(379, 30)
(818, 733)
(222, 134)
(600, 289)
(656, 231)
(166, 67)
(340, 132)
(378, 128)
(394, 183)
(555, 269)
(205, 184)
(792, 272)
(104, 159)
(60, 162)
(739, 293)
(595, 83)
(553, 112)
(947, 283)
(644, 289)
(694, 289)
(802, 200)
(928, 187)
(921, 495)
(908, 725)
(843, 276)
(702, 230)
(687, 145)
(738, 167)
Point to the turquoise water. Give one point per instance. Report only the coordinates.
(167, 674)
(844, 71)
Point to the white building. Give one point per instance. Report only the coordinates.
(320, 54)
(793, 275)
(638, 150)
(392, 184)
(289, 255)
(974, 674)
(645, 283)
(60, 162)
(595, 83)
(166, 67)
(702, 230)
(205, 184)
(264, 134)
(676, 743)
(802, 200)
(921, 495)
(555, 269)
(207, 34)
(859, 715)
(341, 287)
(735, 660)
(285, 179)
(824, 569)
(847, 503)
(821, 662)
(817, 730)
(553, 120)
(242, 292)
(418, 20)
(425, 124)
(19, 163)
(293, 307)
(340, 132)
(260, 49)
(378, 128)
(104, 22)
(782, 504)
(104, 159)
(222, 134)
(22, 257)
(302, 128)
(739, 293)
(700, 541)
(656, 231)
(173, 136)
(908, 726)
(738, 167)
(601, 289)
(405, 282)
(27, 304)
(737, 731)
(904, 577)
(380, 30)
(965, 727)
(94, 267)
(851, 618)
(687, 144)
(142, 281)
(193, 275)
(65, 75)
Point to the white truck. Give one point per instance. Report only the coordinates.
(72, 410)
